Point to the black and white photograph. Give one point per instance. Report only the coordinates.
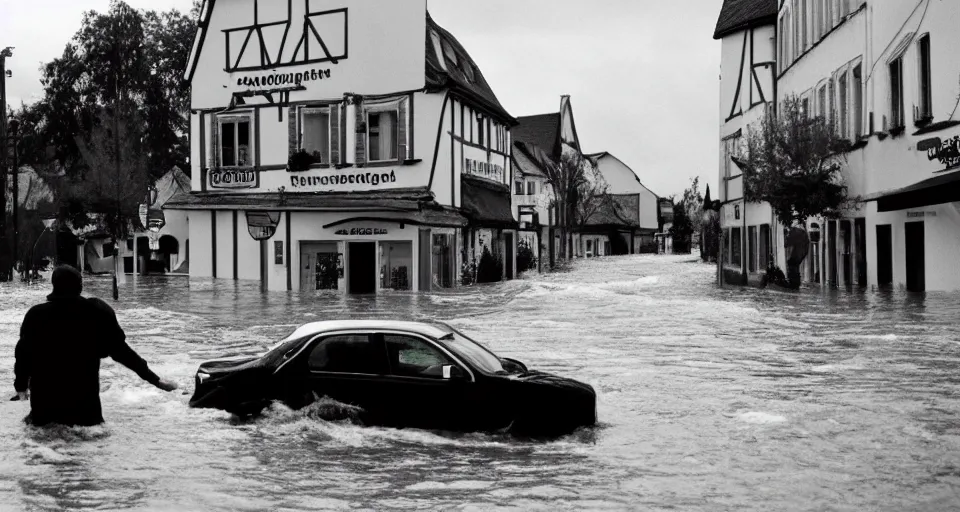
(318, 255)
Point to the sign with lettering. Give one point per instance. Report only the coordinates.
(362, 232)
(484, 170)
(920, 215)
(306, 182)
(268, 80)
(947, 152)
(232, 178)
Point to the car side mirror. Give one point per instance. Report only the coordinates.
(451, 372)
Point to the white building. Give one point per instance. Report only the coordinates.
(885, 73)
(359, 134)
(638, 201)
(747, 84)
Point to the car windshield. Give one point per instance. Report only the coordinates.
(472, 351)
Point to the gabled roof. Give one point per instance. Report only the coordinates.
(736, 15)
(463, 76)
(541, 130)
(530, 160)
(596, 157)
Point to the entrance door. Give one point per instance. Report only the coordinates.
(860, 230)
(508, 241)
(832, 253)
(362, 267)
(884, 255)
(319, 266)
(846, 258)
(916, 272)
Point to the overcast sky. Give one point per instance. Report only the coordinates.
(642, 74)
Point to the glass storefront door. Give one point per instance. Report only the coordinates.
(396, 265)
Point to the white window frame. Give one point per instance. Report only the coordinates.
(377, 109)
(235, 118)
(328, 110)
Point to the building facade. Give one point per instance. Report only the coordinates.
(323, 159)
(884, 73)
(746, 30)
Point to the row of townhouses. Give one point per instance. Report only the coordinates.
(886, 73)
(356, 146)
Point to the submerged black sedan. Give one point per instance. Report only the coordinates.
(399, 374)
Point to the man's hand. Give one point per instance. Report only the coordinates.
(166, 385)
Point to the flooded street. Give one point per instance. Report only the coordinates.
(709, 400)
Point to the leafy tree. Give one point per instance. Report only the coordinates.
(121, 55)
(693, 205)
(115, 178)
(793, 162)
(682, 229)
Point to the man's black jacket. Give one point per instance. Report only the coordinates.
(58, 357)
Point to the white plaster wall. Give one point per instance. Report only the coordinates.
(248, 252)
(201, 263)
(443, 174)
(224, 245)
(197, 161)
(941, 244)
(845, 44)
(274, 136)
(371, 67)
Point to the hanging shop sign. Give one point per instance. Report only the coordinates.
(262, 225)
(362, 232)
(484, 170)
(946, 151)
(232, 178)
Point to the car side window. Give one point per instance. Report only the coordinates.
(351, 353)
(413, 357)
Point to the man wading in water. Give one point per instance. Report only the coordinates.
(59, 352)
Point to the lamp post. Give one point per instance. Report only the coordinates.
(262, 226)
(48, 222)
(13, 129)
(5, 264)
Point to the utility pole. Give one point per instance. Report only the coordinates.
(5, 260)
(116, 139)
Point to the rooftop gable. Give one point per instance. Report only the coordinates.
(737, 15)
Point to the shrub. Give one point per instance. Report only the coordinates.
(490, 268)
(526, 259)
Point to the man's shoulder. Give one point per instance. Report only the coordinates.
(99, 304)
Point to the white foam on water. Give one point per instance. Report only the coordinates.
(462, 485)
(761, 418)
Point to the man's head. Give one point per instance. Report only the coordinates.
(67, 282)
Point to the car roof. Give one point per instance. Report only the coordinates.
(432, 330)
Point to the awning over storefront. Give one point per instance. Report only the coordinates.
(486, 204)
(400, 200)
(433, 218)
(944, 188)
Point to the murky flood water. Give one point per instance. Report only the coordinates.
(710, 400)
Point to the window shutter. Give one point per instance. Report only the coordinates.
(361, 128)
(215, 142)
(402, 131)
(293, 143)
(334, 134)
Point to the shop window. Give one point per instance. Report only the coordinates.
(752, 249)
(896, 93)
(382, 131)
(235, 146)
(736, 244)
(726, 246)
(926, 94)
(444, 261)
(531, 188)
(764, 247)
(315, 133)
(396, 265)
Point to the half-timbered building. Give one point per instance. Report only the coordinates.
(342, 145)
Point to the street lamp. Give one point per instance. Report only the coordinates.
(49, 220)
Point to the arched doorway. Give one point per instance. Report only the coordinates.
(169, 253)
